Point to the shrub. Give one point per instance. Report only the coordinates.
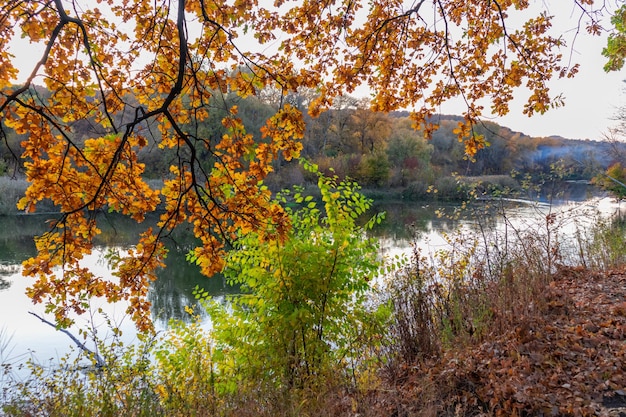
(374, 169)
(78, 386)
(450, 188)
(186, 372)
(613, 181)
(492, 184)
(301, 320)
(416, 191)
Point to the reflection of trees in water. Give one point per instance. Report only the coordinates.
(6, 270)
(169, 294)
(407, 221)
(173, 290)
(4, 283)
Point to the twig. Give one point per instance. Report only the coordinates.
(100, 363)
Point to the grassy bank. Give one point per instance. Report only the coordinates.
(444, 189)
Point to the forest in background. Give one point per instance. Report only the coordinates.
(380, 151)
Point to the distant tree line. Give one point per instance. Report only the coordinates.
(378, 150)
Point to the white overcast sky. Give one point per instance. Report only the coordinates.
(591, 98)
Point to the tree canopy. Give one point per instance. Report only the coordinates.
(143, 74)
(615, 49)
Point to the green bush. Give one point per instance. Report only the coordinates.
(78, 386)
(449, 189)
(301, 320)
(415, 191)
(374, 169)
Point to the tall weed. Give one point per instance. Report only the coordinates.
(492, 275)
(602, 246)
(78, 385)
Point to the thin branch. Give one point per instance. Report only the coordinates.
(523, 53)
(100, 362)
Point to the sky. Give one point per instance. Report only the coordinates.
(592, 98)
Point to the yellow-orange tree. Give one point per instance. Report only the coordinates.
(142, 73)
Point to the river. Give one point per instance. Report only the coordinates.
(25, 336)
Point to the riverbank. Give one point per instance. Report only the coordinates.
(512, 332)
(446, 189)
(566, 359)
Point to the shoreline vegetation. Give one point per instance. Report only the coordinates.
(506, 322)
(451, 189)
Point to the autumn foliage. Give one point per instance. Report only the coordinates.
(142, 74)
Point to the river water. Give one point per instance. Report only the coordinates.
(25, 336)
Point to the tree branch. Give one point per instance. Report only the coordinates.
(100, 362)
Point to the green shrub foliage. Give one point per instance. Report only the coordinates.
(301, 312)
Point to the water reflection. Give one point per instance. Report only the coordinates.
(174, 288)
(404, 223)
(169, 294)
(407, 220)
(16, 238)
(7, 270)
